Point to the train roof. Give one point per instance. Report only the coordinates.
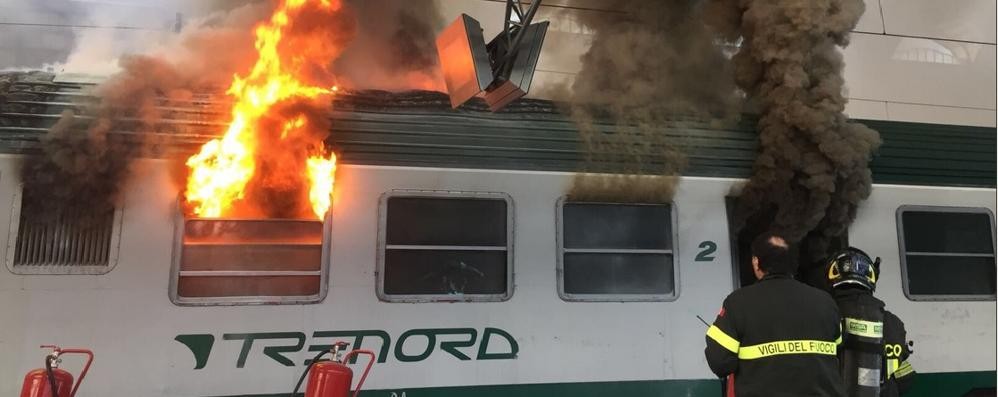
(418, 128)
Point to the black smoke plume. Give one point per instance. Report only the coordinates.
(812, 170)
(86, 156)
(648, 64)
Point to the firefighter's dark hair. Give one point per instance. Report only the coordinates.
(776, 254)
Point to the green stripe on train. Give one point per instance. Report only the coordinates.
(939, 384)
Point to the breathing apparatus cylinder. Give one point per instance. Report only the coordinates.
(853, 277)
(862, 348)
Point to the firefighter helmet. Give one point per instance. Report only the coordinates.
(852, 266)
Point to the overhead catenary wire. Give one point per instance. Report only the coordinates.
(564, 6)
(55, 25)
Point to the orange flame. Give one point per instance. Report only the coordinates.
(221, 171)
(321, 176)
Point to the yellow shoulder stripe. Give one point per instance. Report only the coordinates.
(723, 339)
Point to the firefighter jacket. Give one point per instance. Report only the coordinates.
(898, 372)
(779, 337)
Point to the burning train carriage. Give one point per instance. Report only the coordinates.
(461, 212)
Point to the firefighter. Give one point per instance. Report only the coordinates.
(873, 338)
(778, 337)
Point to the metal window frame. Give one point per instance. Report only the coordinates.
(178, 242)
(561, 251)
(114, 246)
(903, 255)
(382, 246)
(730, 202)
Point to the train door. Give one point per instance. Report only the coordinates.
(811, 261)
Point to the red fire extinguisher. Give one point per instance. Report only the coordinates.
(53, 381)
(332, 378)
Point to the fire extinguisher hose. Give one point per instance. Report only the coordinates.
(308, 368)
(53, 386)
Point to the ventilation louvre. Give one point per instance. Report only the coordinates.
(71, 243)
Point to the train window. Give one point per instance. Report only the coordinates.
(249, 261)
(947, 253)
(445, 246)
(68, 242)
(616, 252)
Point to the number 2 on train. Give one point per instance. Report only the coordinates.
(707, 254)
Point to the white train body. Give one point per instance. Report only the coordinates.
(573, 348)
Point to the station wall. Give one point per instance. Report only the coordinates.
(909, 60)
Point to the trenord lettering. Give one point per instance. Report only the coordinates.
(411, 346)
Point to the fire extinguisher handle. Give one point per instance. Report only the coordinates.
(86, 367)
(367, 369)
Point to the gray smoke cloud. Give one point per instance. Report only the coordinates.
(174, 31)
(647, 65)
(89, 36)
(32, 46)
(32, 37)
(395, 46)
(812, 170)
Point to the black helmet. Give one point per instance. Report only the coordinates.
(852, 266)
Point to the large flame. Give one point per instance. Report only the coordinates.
(221, 171)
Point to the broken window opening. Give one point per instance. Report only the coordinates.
(810, 264)
(221, 261)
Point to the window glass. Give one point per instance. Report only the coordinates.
(433, 272)
(240, 286)
(445, 247)
(947, 253)
(617, 226)
(618, 274)
(949, 275)
(616, 252)
(446, 221)
(953, 232)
